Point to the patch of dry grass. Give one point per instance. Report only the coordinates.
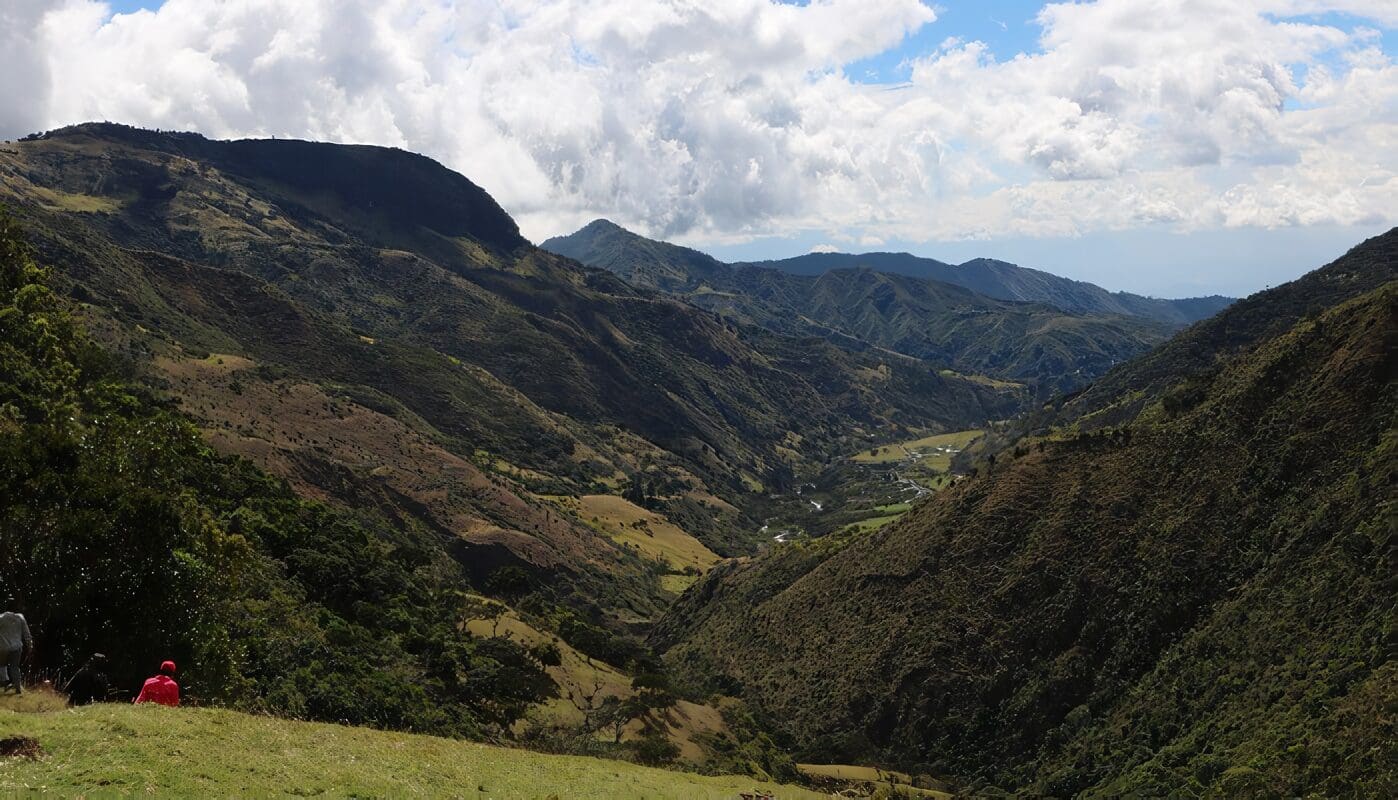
(647, 532)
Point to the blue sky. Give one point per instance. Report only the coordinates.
(127, 6)
(1007, 27)
(1194, 169)
(1010, 27)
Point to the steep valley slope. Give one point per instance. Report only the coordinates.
(372, 327)
(1190, 591)
(412, 428)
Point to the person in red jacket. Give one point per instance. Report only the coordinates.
(162, 688)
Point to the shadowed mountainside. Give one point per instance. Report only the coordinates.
(1196, 597)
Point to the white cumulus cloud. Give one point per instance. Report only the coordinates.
(724, 119)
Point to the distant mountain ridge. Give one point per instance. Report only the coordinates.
(1005, 281)
(672, 267)
(942, 322)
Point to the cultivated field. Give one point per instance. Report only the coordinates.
(932, 452)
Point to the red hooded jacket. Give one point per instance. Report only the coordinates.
(162, 688)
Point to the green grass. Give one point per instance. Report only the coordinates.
(984, 380)
(873, 523)
(78, 203)
(642, 530)
(881, 516)
(677, 582)
(869, 775)
(33, 701)
(929, 451)
(123, 749)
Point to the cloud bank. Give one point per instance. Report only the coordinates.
(725, 119)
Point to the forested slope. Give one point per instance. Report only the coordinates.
(1196, 598)
(121, 531)
(1005, 281)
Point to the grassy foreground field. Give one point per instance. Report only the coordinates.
(123, 749)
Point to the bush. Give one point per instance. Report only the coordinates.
(654, 749)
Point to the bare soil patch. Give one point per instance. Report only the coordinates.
(20, 747)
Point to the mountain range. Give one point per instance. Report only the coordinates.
(367, 454)
(380, 310)
(1005, 281)
(983, 317)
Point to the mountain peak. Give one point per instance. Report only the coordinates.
(601, 225)
(391, 191)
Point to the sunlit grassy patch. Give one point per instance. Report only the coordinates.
(648, 532)
(984, 380)
(34, 700)
(933, 451)
(677, 582)
(873, 523)
(80, 203)
(869, 775)
(121, 749)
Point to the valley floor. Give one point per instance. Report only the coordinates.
(123, 749)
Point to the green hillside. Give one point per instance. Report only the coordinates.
(1195, 599)
(122, 531)
(317, 416)
(642, 262)
(316, 422)
(859, 305)
(122, 749)
(368, 284)
(942, 323)
(660, 265)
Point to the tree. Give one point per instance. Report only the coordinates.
(636, 490)
(492, 611)
(508, 581)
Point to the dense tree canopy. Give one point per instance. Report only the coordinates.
(122, 531)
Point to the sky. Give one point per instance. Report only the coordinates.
(1168, 147)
